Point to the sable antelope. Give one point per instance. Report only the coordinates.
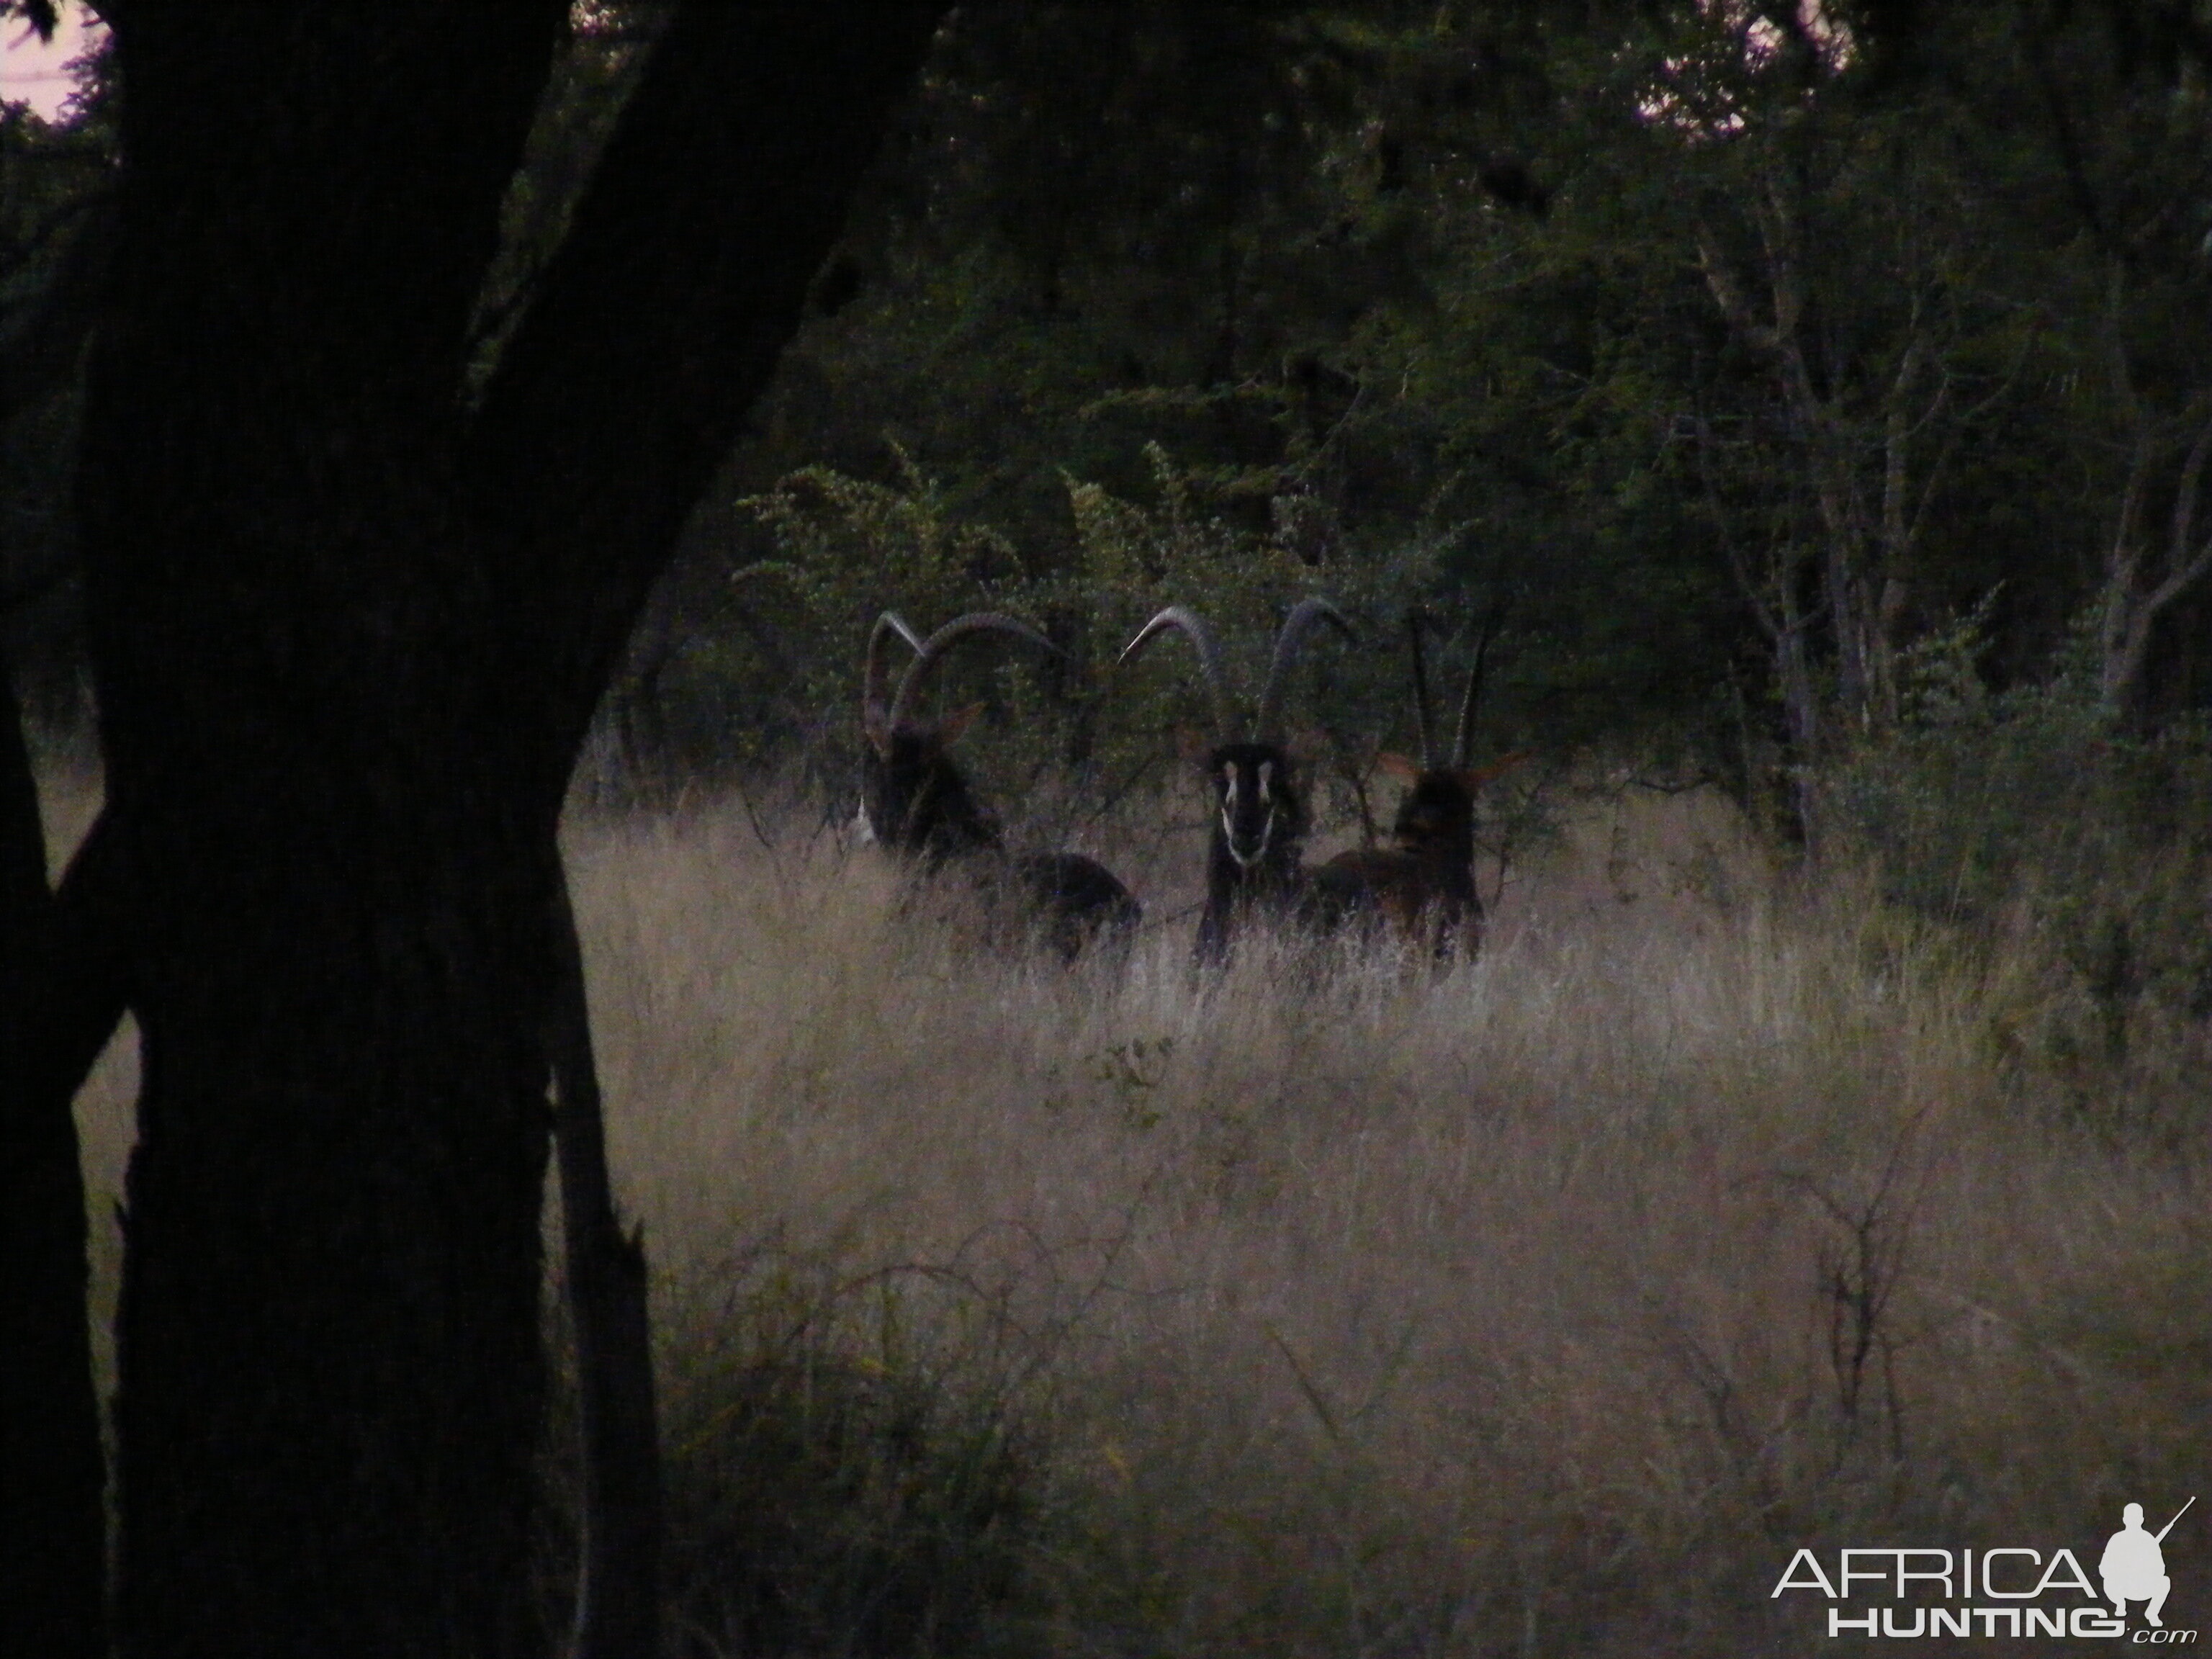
(1252, 864)
(915, 802)
(1422, 888)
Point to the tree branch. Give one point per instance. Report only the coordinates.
(1727, 293)
(39, 347)
(659, 321)
(377, 142)
(2186, 568)
(1958, 429)
(57, 1006)
(1761, 614)
(73, 1004)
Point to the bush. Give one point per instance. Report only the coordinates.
(2074, 857)
(783, 673)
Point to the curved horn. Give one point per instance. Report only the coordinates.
(875, 714)
(1209, 661)
(1465, 737)
(1423, 716)
(929, 653)
(1303, 614)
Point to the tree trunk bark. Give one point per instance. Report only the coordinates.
(349, 629)
(1801, 709)
(618, 1599)
(329, 1371)
(52, 1472)
(329, 1328)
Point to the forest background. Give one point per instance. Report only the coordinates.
(1791, 387)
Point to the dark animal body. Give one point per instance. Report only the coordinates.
(918, 805)
(1421, 890)
(1254, 857)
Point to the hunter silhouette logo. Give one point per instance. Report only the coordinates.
(2006, 1593)
(2134, 1567)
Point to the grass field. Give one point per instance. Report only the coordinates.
(1544, 1309)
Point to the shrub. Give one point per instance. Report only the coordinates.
(2073, 856)
(784, 673)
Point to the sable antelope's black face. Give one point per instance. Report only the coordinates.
(1437, 811)
(913, 796)
(1258, 806)
(1436, 816)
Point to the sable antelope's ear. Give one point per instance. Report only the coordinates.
(1194, 744)
(950, 728)
(1481, 775)
(1398, 766)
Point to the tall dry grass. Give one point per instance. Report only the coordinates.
(1543, 1308)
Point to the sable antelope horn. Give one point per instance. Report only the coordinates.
(929, 653)
(1209, 661)
(1423, 716)
(875, 712)
(1303, 614)
(1465, 737)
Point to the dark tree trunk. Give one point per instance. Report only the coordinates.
(51, 1471)
(328, 1343)
(348, 637)
(328, 1336)
(619, 1598)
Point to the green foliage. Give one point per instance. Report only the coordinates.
(1978, 797)
(1285, 272)
(593, 75)
(52, 180)
(1129, 560)
(1452, 279)
(2076, 855)
(1951, 800)
(842, 550)
(1439, 277)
